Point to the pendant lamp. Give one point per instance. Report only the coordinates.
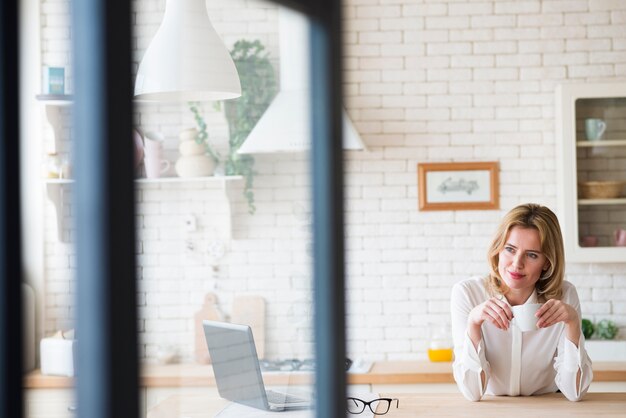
(186, 60)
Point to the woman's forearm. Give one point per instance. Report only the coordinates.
(474, 333)
(572, 332)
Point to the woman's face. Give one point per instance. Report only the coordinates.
(521, 263)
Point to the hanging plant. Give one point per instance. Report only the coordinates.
(258, 89)
(203, 135)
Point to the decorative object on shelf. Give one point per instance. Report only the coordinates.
(193, 162)
(65, 168)
(186, 60)
(458, 186)
(620, 237)
(52, 166)
(154, 164)
(589, 241)
(600, 189)
(594, 129)
(54, 80)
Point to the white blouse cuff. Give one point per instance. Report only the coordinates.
(474, 359)
(573, 356)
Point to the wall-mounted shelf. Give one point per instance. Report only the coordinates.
(605, 143)
(598, 202)
(56, 99)
(54, 103)
(56, 193)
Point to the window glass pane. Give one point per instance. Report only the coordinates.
(221, 235)
(224, 236)
(48, 228)
(600, 156)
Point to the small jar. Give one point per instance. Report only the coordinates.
(51, 166)
(65, 169)
(440, 344)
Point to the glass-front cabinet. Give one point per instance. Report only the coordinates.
(591, 155)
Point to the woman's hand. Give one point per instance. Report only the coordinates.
(494, 311)
(555, 311)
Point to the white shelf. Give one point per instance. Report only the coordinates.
(56, 190)
(224, 180)
(602, 143)
(56, 99)
(596, 202)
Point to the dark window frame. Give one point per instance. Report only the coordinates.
(104, 199)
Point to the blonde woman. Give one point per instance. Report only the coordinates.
(494, 357)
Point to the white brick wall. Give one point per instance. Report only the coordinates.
(425, 81)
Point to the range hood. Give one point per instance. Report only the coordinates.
(285, 126)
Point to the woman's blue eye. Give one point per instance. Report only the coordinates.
(509, 249)
(533, 256)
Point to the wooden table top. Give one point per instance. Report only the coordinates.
(437, 405)
(383, 372)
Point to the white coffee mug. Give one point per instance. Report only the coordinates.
(524, 316)
(155, 166)
(153, 142)
(594, 128)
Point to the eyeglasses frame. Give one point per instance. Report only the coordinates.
(369, 405)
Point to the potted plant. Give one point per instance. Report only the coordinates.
(258, 88)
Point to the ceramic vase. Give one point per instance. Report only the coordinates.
(193, 162)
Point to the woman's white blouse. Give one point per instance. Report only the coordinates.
(516, 363)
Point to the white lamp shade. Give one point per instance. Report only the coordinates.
(186, 60)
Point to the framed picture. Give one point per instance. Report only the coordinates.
(458, 186)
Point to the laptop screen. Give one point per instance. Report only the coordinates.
(235, 363)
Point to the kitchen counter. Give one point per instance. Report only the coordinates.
(437, 405)
(383, 372)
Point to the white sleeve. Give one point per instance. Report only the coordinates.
(468, 362)
(570, 359)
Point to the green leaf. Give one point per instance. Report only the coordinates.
(588, 328)
(606, 330)
(258, 89)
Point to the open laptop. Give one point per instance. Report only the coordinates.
(237, 371)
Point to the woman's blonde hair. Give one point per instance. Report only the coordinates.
(546, 223)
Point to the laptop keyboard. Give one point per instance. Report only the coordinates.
(283, 398)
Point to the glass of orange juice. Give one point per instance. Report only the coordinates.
(440, 343)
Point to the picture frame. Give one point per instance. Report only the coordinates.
(458, 186)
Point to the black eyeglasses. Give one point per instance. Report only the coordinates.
(377, 406)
